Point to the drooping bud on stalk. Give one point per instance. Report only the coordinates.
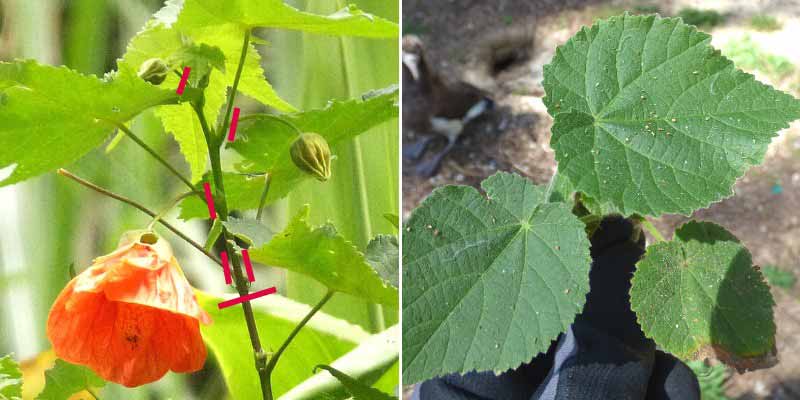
(154, 71)
(310, 152)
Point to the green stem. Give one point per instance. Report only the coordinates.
(232, 95)
(263, 199)
(153, 153)
(550, 186)
(273, 360)
(141, 208)
(167, 209)
(275, 118)
(222, 207)
(653, 230)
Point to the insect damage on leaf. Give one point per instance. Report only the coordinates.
(489, 283)
(650, 118)
(700, 296)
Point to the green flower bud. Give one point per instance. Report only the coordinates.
(310, 153)
(154, 71)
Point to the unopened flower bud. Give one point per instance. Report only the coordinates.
(310, 152)
(154, 71)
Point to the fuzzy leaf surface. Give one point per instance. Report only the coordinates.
(52, 116)
(699, 295)
(264, 142)
(323, 254)
(383, 253)
(650, 118)
(489, 283)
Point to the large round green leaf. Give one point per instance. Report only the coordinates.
(649, 117)
(700, 295)
(489, 283)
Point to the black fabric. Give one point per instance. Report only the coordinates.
(604, 355)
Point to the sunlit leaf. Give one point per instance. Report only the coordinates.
(65, 379)
(324, 339)
(52, 116)
(356, 388)
(321, 253)
(10, 379)
(383, 254)
(368, 363)
(248, 14)
(264, 142)
(650, 118)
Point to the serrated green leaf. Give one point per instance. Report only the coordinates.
(368, 364)
(65, 379)
(699, 295)
(52, 116)
(356, 388)
(649, 117)
(248, 14)
(489, 283)
(327, 257)
(324, 339)
(264, 142)
(160, 39)
(201, 58)
(10, 379)
(383, 254)
(251, 231)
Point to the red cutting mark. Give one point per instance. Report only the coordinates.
(212, 212)
(248, 265)
(226, 267)
(251, 296)
(184, 78)
(234, 122)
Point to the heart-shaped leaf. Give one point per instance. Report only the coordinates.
(327, 257)
(700, 296)
(489, 283)
(649, 117)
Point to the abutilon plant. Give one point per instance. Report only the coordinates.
(649, 120)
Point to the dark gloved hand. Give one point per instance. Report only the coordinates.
(604, 354)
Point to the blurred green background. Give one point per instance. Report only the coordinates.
(48, 223)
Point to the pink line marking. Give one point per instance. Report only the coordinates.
(234, 123)
(212, 212)
(248, 265)
(226, 267)
(251, 296)
(184, 79)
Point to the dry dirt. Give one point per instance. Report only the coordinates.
(461, 37)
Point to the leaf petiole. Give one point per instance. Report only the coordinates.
(273, 361)
(153, 153)
(653, 230)
(141, 208)
(167, 209)
(263, 199)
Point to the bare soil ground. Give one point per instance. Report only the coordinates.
(462, 38)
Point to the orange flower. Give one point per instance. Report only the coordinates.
(131, 316)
